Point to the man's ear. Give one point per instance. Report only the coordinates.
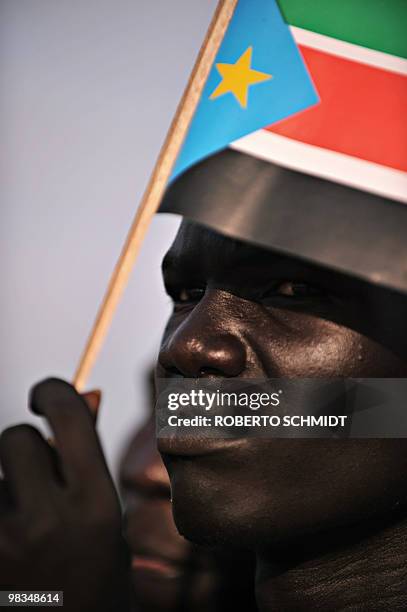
(93, 399)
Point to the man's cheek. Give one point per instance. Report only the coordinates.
(319, 350)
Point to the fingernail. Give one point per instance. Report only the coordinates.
(93, 399)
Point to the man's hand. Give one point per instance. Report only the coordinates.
(60, 518)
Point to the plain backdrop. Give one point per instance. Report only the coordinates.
(88, 89)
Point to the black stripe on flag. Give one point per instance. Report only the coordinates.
(297, 214)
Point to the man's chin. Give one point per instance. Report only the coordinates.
(231, 527)
(212, 515)
(219, 517)
(206, 527)
(218, 511)
(204, 513)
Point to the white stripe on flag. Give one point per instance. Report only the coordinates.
(349, 51)
(325, 164)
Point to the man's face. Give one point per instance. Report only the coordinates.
(243, 311)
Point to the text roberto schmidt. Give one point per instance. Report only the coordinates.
(255, 420)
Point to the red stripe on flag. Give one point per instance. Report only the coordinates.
(363, 111)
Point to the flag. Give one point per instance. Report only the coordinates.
(356, 53)
(301, 84)
(304, 85)
(316, 167)
(258, 78)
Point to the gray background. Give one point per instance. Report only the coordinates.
(88, 89)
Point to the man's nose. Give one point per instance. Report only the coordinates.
(208, 341)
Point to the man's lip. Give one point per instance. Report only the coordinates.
(156, 565)
(196, 447)
(145, 486)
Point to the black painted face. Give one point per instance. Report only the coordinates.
(243, 311)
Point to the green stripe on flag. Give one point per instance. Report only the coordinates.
(376, 24)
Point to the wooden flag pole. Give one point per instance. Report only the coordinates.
(155, 189)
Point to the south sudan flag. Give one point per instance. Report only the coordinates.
(355, 51)
(299, 142)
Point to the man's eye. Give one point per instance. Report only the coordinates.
(292, 289)
(190, 296)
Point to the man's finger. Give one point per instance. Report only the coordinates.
(28, 467)
(75, 436)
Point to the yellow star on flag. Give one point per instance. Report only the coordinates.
(238, 77)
